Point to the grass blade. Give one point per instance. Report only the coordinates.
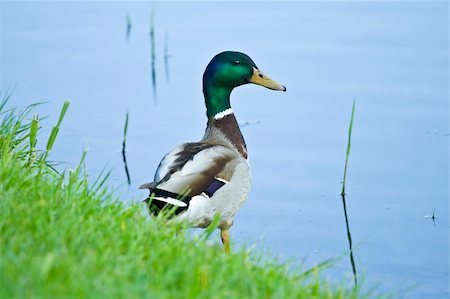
(349, 236)
(124, 144)
(55, 129)
(211, 227)
(348, 147)
(63, 111)
(54, 134)
(33, 138)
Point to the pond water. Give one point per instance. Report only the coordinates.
(391, 57)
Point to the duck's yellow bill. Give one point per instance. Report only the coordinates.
(260, 78)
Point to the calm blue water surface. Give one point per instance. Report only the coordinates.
(392, 57)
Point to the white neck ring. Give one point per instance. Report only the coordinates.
(222, 114)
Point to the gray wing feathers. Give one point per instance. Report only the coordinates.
(192, 167)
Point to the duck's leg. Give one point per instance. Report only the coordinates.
(225, 236)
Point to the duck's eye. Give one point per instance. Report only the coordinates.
(236, 62)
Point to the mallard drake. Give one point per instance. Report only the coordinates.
(201, 179)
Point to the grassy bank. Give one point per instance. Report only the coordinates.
(63, 237)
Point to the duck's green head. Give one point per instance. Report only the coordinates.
(226, 71)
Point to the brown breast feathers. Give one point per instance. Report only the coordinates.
(229, 127)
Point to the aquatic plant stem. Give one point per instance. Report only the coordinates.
(124, 144)
(153, 55)
(128, 30)
(349, 237)
(348, 148)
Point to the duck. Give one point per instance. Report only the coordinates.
(210, 178)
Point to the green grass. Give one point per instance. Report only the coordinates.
(61, 237)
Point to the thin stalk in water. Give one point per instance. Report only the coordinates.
(124, 144)
(349, 237)
(153, 55)
(128, 30)
(348, 148)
